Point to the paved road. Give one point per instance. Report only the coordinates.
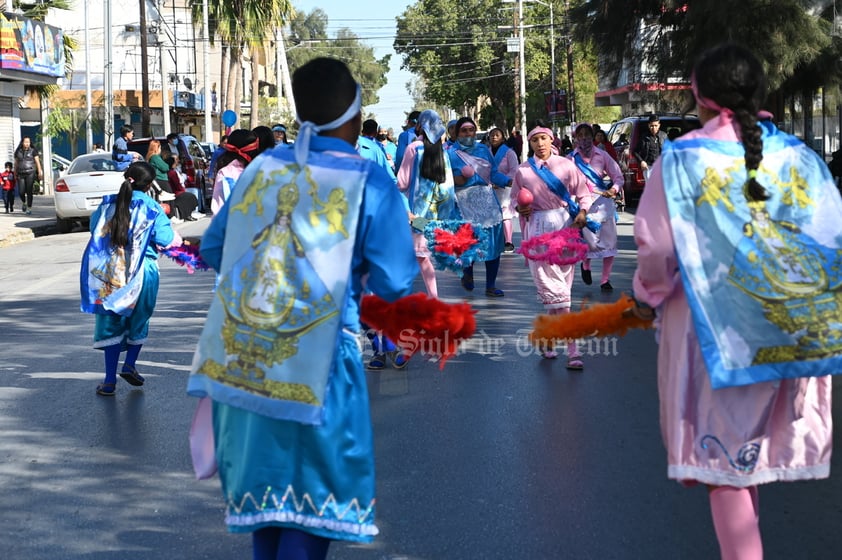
(500, 456)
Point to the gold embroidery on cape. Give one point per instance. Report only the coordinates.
(274, 301)
(787, 272)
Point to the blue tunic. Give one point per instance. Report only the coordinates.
(318, 478)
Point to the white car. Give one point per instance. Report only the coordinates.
(80, 191)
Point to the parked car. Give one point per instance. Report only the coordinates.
(625, 134)
(60, 166)
(194, 163)
(79, 192)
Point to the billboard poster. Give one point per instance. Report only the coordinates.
(31, 46)
(555, 103)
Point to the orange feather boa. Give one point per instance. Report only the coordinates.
(597, 320)
(418, 323)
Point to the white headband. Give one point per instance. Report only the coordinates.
(308, 128)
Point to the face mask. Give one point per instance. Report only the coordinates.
(468, 142)
(381, 137)
(585, 145)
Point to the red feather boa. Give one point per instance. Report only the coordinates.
(418, 323)
(455, 243)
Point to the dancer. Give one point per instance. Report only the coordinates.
(559, 199)
(426, 180)
(507, 164)
(595, 165)
(120, 272)
(475, 175)
(279, 354)
(749, 216)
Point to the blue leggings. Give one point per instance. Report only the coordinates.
(275, 543)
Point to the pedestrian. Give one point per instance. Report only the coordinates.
(120, 151)
(7, 178)
(119, 277)
(27, 169)
(475, 175)
(240, 149)
(279, 353)
(184, 203)
(749, 216)
(559, 199)
(507, 164)
(604, 179)
(650, 144)
(155, 159)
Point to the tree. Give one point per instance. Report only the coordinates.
(460, 51)
(792, 37)
(241, 25)
(309, 40)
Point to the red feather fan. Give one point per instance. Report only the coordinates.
(455, 243)
(418, 323)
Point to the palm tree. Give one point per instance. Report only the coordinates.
(241, 25)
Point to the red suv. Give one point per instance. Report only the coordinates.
(625, 135)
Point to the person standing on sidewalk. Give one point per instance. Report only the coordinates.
(27, 168)
(7, 179)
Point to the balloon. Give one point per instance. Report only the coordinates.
(229, 117)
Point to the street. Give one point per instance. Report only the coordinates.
(502, 455)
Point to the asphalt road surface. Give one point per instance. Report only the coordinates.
(500, 456)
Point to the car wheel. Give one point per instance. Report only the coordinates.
(63, 225)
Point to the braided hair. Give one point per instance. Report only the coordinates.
(732, 77)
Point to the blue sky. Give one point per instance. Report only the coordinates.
(376, 28)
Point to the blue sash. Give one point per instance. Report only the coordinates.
(558, 188)
(763, 279)
(590, 173)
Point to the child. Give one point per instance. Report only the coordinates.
(7, 179)
(120, 272)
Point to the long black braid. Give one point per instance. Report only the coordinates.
(733, 77)
(139, 176)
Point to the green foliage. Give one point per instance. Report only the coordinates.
(309, 40)
(791, 37)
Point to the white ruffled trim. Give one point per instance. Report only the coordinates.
(109, 341)
(250, 519)
(744, 480)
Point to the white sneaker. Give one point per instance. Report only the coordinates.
(175, 220)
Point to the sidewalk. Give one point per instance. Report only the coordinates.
(18, 227)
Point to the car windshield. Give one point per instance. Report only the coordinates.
(92, 164)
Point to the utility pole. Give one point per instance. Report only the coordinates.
(144, 76)
(521, 48)
(571, 93)
(108, 80)
(206, 71)
(89, 133)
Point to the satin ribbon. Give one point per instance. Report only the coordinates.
(242, 152)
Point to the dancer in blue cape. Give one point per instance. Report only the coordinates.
(305, 232)
(119, 277)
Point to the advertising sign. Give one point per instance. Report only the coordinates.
(31, 46)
